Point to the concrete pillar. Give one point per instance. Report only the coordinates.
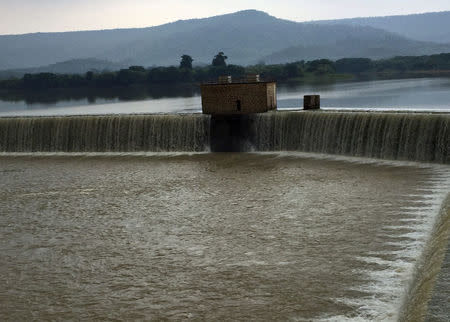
(230, 133)
(311, 102)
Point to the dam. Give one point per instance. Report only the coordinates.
(130, 217)
(394, 136)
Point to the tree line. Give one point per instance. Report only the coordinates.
(187, 73)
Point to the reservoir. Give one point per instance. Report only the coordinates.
(217, 236)
(332, 215)
(430, 94)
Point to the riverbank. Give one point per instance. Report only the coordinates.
(298, 70)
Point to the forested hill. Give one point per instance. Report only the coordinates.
(433, 26)
(247, 37)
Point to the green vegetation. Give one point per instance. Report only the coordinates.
(220, 60)
(185, 73)
(186, 62)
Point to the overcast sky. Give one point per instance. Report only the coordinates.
(23, 16)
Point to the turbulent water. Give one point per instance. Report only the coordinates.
(439, 306)
(397, 136)
(215, 236)
(402, 136)
(208, 236)
(125, 133)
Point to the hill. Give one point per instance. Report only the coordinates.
(433, 26)
(74, 66)
(379, 45)
(246, 37)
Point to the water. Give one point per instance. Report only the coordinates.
(410, 94)
(260, 236)
(439, 306)
(403, 136)
(212, 236)
(402, 94)
(125, 133)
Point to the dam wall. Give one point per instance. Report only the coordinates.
(395, 136)
(112, 133)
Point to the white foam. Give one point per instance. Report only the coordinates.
(388, 286)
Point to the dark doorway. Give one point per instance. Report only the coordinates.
(238, 105)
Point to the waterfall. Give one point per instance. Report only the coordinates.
(115, 133)
(395, 136)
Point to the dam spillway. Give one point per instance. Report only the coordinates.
(223, 223)
(112, 133)
(395, 136)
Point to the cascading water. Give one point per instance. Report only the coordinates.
(385, 235)
(395, 136)
(113, 133)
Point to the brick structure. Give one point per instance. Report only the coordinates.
(250, 96)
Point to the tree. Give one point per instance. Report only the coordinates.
(219, 60)
(164, 75)
(353, 65)
(90, 75)
(186, 62)
(137, 69)
(321, 66)
(131, 76)
(292, 70)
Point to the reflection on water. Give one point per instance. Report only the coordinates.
(425, 93)
(136, 99)
(211, 236)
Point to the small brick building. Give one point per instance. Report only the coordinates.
(242, 97)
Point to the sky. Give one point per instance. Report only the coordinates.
(25, 16)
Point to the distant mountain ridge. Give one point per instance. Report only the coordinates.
(432, 26)
(247, 37)
(74, 66)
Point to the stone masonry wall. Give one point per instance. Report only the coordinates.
(242, 98)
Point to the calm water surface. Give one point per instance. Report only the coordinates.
(211, 236)
(410, 94)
